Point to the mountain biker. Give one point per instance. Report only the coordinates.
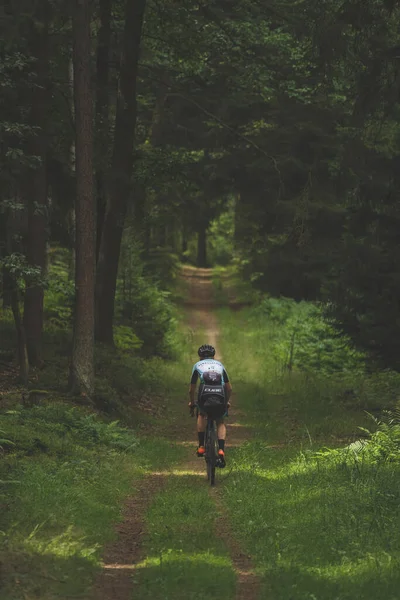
(213, 397)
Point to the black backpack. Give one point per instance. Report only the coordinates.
(211, 399)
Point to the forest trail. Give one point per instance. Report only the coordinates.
(123, 557)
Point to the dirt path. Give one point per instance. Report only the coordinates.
(115, 582)
(202, 316)
(120, 557)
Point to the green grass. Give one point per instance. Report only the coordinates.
(63, 482)
(319, 527)
(66, 469)
(185, 557)
(307, 408)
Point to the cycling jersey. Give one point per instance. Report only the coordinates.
(209, 371)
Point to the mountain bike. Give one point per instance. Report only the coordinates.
(211, 446)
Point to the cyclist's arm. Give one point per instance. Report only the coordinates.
(192, 388)
(228, 386)
(192, 393)
(228, 390)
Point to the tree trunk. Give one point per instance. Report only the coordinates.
(6, 283)
(12, 220)
(102, 113)
(121, 173)
(21, 337)
(202, 246)
(6, 290)
(36, 188)
(82, 364)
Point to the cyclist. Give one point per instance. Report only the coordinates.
(213, 397)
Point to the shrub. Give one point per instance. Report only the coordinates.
(151, 315)
(142, 301)
(57, 428)
(306, 339)
(126, 339)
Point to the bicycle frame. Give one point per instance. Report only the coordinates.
(211, 447)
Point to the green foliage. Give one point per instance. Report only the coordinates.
(124, 374)
(4, 442)
(316, 529)
(151, 316)
(62, 485)
(125, 339)
(60, 292)
(306, 340)
(382, 446)
(220, 238)
(163, 267)
(143, 302)
(57, 428)
(17, 265)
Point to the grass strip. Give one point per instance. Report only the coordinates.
(185, 557)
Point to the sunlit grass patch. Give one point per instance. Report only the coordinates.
(186, 558)
(315, 526)
(63, 482)
(66, 544)
(194, 558)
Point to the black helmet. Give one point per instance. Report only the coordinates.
(206, 351)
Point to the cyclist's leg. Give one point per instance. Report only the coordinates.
(201, 428)
(201, 422)
(221, 432)
(221, 429)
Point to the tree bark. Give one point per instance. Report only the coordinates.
(121, 173)
(102, 113)
(6, 283)
(13, 223)
(35, 187)
(82, 364)
(21, 336)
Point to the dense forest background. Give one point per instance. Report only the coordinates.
(259, 134)
(140, 142)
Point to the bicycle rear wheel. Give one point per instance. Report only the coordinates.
(211, 444)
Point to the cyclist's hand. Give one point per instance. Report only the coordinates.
(228, 404)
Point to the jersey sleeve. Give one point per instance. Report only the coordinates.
(195, 376)
(225, 376)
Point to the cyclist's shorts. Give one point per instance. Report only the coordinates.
(204, 414)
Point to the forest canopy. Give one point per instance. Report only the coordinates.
(138, 134)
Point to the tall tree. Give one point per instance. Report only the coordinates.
(82, 367)
(35, 181)
(121, 172)
(102, 127)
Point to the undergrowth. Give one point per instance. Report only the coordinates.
(66, 464)
(64, 473)
(314, 496)
(295, 369)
